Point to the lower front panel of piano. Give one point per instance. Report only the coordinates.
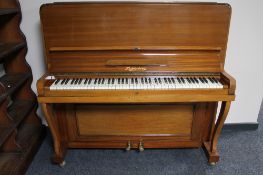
(175, 125)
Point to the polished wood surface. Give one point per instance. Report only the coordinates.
(191, 38)
(134, 119)
(94, 40)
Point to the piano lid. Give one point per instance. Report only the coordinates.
(109, 37)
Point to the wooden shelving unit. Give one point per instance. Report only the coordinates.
(21, 131)
(9, 48)
(8, 11)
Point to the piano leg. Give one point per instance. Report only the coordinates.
(59, 147)
(210, 146)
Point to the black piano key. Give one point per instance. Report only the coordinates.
(165, 80)
(56, 82)
(155, 80)
(146, 81)
(109, 80)
(215, 79)
(126, 81)
(76, 81)
(205, 80)
(159, 80)
(113, 80)
(67, 80)
(212, 81)
(72, 81)
(149, 80)
(99, 81)
(136, 80)
(142, 80)
(63, 81)
(103, 81)
(132, 81)
(188, 80)
(195, 79)
(86, 81)
(173, 80)
(202, 81)
(179, 80)
(170, 80)
(182, 79)
(89, 81)
(80, 80)
(96, 80)
(192, 79)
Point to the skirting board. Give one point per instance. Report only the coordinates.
(240, 126)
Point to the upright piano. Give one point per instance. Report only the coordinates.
(135, 75)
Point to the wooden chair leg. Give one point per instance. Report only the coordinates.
(59, 147)
(211, 146)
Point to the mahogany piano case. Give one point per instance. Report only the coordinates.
(141, 40)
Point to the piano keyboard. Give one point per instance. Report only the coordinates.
(137, 83)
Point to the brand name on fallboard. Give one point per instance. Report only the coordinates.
(132, 69)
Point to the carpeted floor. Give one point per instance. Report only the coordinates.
(241, 154)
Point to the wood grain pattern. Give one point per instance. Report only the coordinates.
(134, 120)
(135, 29)
(101, 39)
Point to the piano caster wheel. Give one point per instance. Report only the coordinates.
(62, 164)
(128, 148)
(212, 163)
(141, 148)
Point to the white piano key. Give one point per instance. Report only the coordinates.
(157, 83)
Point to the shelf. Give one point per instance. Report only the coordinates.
(8, 48)
(20, 133)
(7, 162)
(8, 11)
(17, 163)
(17, 111)
(26, 134)
(12, 82)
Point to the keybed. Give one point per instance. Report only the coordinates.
(142, 83)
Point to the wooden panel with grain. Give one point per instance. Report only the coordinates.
(191, 37)
(134, 119)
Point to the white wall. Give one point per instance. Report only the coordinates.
(244, 56)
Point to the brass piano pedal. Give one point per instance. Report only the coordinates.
(128, 148)
(141, 148)
(212, 163)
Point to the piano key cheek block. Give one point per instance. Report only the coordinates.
(135, 75)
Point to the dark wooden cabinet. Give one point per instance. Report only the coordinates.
(21, 131)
